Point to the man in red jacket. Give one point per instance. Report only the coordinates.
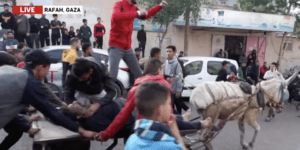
(99, 31)
(152, 71)
(123, 14)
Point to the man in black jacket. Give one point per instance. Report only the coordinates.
(90, 77)
(44, 31)
(142, 38)
(7, 20)
(222, 75)
(34, 31)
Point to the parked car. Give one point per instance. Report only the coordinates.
(101, 55)
(202, 69)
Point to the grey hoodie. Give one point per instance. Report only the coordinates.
(23, 27)
(172, 67)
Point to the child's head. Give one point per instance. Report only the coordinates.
(152, 67)
(232, 73)
(153, 101)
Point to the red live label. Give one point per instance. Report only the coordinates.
(27, 9)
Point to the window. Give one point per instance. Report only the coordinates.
(213, 67)
(194, 67)
(288, 46)
(56, 54)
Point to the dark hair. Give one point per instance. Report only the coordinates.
(5, 5)
(154, 51)
(85, 47)
(9, 32)
(16, 51)
(7, 59)
(21, 45)
(142, 25)
(98, 18)
(63, 22)
(54, 15)
(137, 49)
(149, 95)
(181, 51)
(275, 64)
(81, 66)
(84, 20)
(73, 40)
(71, 27)
(152, 66)
(172, 47)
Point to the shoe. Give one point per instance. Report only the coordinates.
(268, 119)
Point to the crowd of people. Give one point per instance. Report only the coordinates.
(155, 91)
(18, 29)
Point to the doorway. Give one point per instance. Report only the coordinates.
(235, 46)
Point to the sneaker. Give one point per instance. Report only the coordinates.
(268, 119)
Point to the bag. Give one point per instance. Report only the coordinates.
(184, 72)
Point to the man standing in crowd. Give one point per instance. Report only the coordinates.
(87, 50)
(65, 34)
(55, 26)
(99, 31)
(22, 30)
(34, 31)
(181, 54)
(243, 71)
(85, 32)
(221, 54)
(154, 53)
(142, 38)
(137, 52)
(254, 72)
(251, 58)
(123, 14)
(27, 89)
(18, 54)
(69, 56)
(10, 43)
(172, 68)
(44, 31)
(72, 33)
(2, 39)
(7, 20)
(263, 70)
(222, 75)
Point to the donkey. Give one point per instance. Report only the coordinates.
(243, 110)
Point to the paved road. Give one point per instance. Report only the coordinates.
(282, 133)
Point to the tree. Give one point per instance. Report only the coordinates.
(281, 7)
(175, 9)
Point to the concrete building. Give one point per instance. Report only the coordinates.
(201, 39)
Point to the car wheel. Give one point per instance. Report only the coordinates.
(118, 90)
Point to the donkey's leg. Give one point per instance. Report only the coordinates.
(242, 131)
(256, 128)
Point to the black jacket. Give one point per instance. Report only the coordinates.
(7, 20)
(222, 76)
(72, 34)
(44, 25)
(34, 25)
(99, 81)
(142, 37)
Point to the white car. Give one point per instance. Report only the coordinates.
(56, 69)
(202, 69)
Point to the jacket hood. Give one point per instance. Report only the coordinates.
(148, 78)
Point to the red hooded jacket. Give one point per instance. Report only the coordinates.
(123, 15)
(126, 112)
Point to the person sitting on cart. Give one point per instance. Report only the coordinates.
(23, 86)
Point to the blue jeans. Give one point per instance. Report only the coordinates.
(116, 54)
(187, 125)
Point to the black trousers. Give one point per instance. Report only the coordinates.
(15, 129)
(179, 105)
(44, 37)
(55, 38)
(100, 42)
(83, 41)
(142, 47)
(22, 37)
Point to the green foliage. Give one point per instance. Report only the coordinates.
(175, 9)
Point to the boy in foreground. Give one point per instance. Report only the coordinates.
(155, 131)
